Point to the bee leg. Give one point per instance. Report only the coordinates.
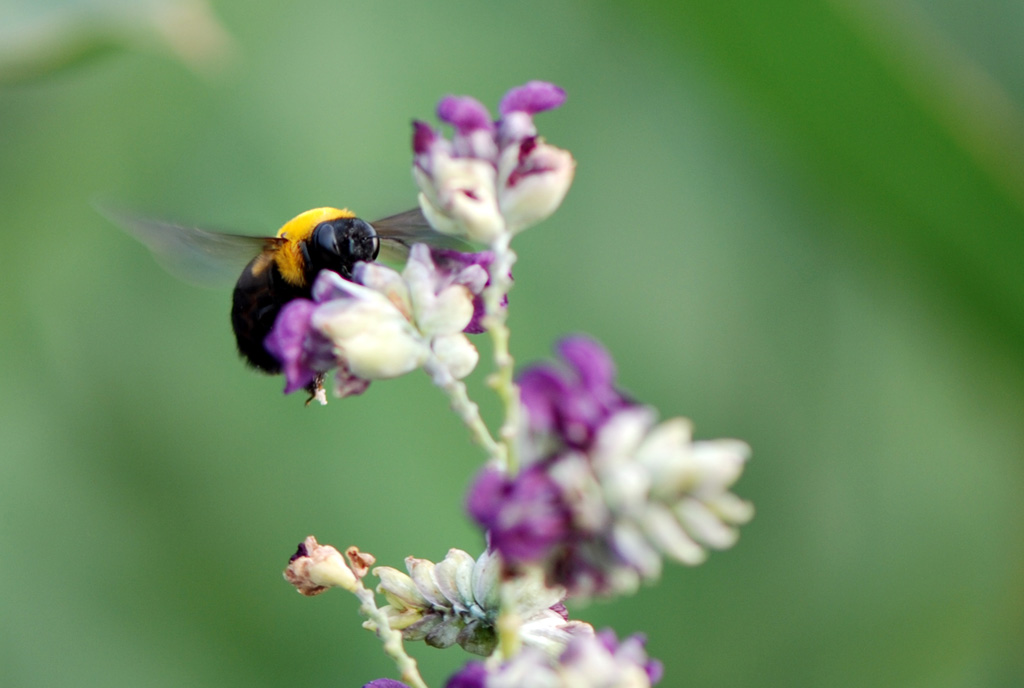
(316, 390)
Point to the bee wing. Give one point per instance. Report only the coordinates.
(199, 256)
(399, 232)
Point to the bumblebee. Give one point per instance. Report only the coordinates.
(280, 268)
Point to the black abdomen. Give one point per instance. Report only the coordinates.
(256, 302)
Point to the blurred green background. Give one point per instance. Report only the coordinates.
(800, 223)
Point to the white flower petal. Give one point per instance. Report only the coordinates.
(531, 596)
(532, 187)
(486, 576)
(421, 571)
(457, 354)
(731, 508)
(437, 218)
(399, 589)
(583, 492)
(620, 436)
(631, 543)
(463, 191)
(550, 633)
(371, 335)
(704, 525)
(447, 313)
(452, 576)
(666, 532)
(718, 463)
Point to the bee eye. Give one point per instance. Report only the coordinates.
(339, 244)
(324, 238)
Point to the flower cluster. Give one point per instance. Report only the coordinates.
(491, 178)
(595, 661)
(585, 492)
(459, 599)
(382, 323)
(607, 491)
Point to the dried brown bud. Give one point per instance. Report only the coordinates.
(314, 568)
(359, 562)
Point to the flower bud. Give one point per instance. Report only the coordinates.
(314, 568)
(491, 179)
(533, 178)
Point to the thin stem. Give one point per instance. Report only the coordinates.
(392, 639)
(466, 409)
(508, 625)
(495, 323)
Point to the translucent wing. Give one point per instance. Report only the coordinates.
(399, 232)
(195, 255)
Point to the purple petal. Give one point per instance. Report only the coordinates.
(287, 340)
(484, 499)
(385, 683)
(590, 360)
(464, 113)
(347, 384)
(633, 650)
(540, 390)
(573, 403)
(531, 98)
(476, 323)
(525, 517)
(629, 653)
(608, 639)
(523, 169)
(452, 263)
(655, 670)
(473, 675)
(423, 137)
(329, 286)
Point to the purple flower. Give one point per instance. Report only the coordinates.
(385, 683)
(492, 178)
(474, 131)
(454, 263)
(382, 324)
(573, 401)
(606, 493)
(526, 516)
(473, 675)
(531, 98)
(465, 114)
(303, 352)
(588, 660)
(520, 105)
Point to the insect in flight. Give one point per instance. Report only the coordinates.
(280, 268)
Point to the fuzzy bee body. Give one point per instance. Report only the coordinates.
(281, 268)
(318, 239)
(258, 297)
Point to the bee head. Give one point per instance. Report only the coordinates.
(339, 244)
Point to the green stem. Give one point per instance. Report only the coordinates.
(495, 323)
(508, 625)
(391, 638)
(466, 408)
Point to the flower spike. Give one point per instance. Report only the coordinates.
(493, 178)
